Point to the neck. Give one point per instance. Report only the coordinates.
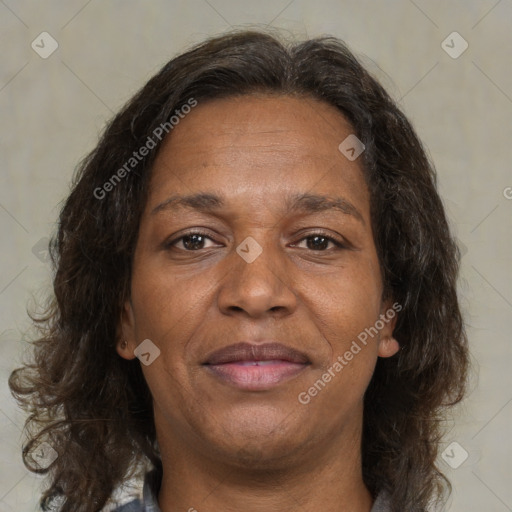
(329, 480)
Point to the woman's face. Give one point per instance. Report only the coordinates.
(272, 263)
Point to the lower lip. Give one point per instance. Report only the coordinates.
(256, 376)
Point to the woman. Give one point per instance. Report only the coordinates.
(255, 296)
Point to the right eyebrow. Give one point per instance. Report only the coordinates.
(201, 201)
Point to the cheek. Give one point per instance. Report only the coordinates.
(165, 302)
(346, 304)
(170, 308)
(344, 314)
(167, 310)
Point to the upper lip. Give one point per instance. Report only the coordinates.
(245, 351)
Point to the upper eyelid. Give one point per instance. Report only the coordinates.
(193, 232)
(339, 243)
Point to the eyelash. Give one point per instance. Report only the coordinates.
(337, 243)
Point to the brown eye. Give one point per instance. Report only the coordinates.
(320, 242)
(317, 242)
(192, 241)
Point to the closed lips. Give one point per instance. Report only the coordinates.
(250, 352)
(255, 367)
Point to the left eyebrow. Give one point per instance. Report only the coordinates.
(308, 203)
(313, 203)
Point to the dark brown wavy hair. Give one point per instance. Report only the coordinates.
(95, 409)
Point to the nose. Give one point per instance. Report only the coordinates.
(259, 287)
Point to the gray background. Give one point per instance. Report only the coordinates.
(53, 109)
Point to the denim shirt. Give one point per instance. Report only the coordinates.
(149, 501)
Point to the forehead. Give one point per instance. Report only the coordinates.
(258, 145)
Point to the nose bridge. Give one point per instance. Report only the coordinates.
(259, 265)
(257, 279)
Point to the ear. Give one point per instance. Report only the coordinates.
(388, 346)
(125, 344)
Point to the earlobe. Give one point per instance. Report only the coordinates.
(124, 350)
(124, 345)
(388, 346)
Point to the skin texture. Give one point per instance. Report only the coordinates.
(224, 448)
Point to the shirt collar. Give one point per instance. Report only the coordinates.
(150, 491)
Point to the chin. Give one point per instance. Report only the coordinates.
(260, 445)
(263, 456)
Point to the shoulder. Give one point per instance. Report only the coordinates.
(148, 502)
